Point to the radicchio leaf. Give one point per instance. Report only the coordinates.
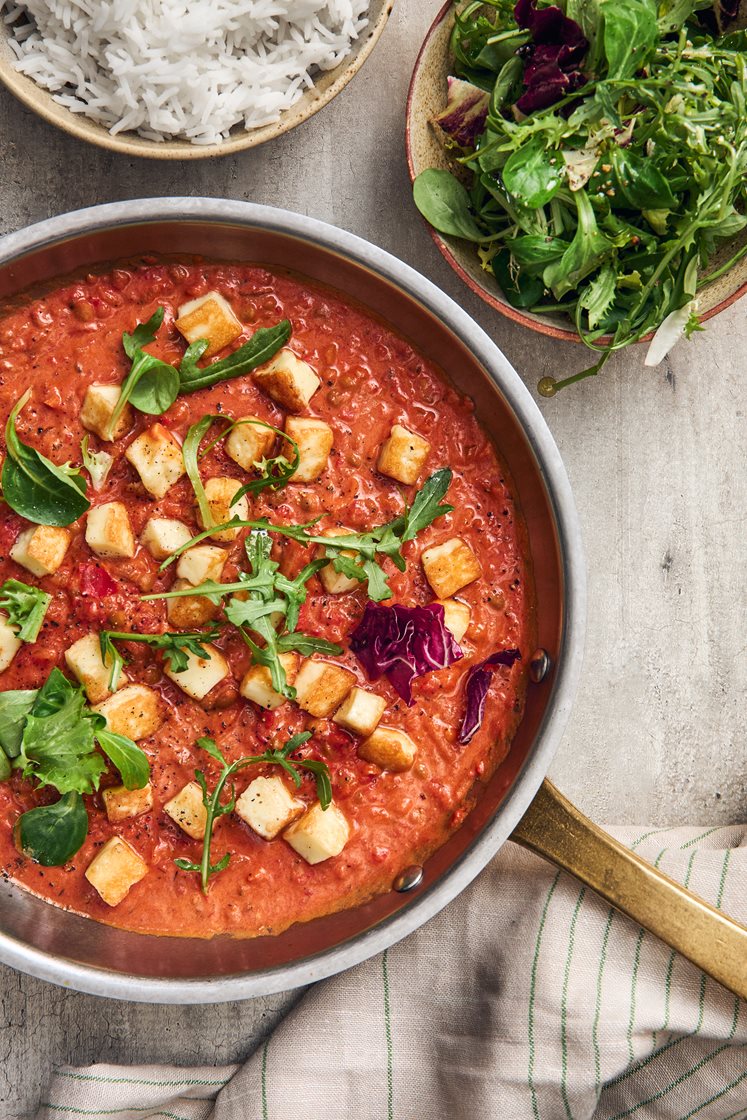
(403, 643)
(478, 683)
(463, 119)
(552, 59)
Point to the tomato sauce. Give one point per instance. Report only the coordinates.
(371, 379)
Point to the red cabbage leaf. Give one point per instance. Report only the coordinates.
(463, 119)
(552, 59)
(403, 643)
(478, 683)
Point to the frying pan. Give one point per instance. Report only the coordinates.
(67, 949)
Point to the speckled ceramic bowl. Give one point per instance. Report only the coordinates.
(427, 97)
(327, 86)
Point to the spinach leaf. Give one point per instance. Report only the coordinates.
(520, 289)
(262, 346)
(52, 834)
(637, 182)
(443, 201)
(534, 252)
(630, 35)
(25, 607)
(58, 746)
(15, 705)
(37, 489)
(126, 756)
(531, 173)
(151, 386)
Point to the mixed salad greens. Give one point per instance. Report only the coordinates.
(600, 159)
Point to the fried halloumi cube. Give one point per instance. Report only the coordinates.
(248, 444)
(268, 806)
(389, 748)
(321, 686)
(201, 563)
(134, 711)
(157, 458)
(290, 381)
(109, 533)
(219, 493)
(115, 869)
(162, 536)
(257, 683)
(360, 711)
(336, 583)
(314, 439)
(122, 803)
(212, 317)
(187, 809)
(319, 834)
(450, 566)
(403, 455)
(10, 643)
(98, 407)
(41, 549)
(202, 673)
(456, 617)
(189, 611)
(83, 659)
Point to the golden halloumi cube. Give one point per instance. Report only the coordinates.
(212, 317)
(189, 611)
(321, 686)
(336, 583)
(456, 617)
(98, 407)
(202, 673)
(314, 439)
(403, 455)
(268, 806)
(109, 532)
(157, 457)
(10, 643)
(257, 683)
(122, 803)
(41, 549)
(249, 444)
(319, 834)
(450, 566)
(219, 493)
(187, 809)
(134, 711)
(201, 563)
(388, 748)
(83, 659)
(162, 536)
(289, 380)
(360, 711)
(115, 869)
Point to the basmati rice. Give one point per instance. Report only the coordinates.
(188, 69)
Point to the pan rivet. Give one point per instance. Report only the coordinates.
(540, 665)
(408, 879)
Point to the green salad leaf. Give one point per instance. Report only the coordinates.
(15, 705)
(175, 648)
(25, 606)
(52, 834)
(260, 348)
(37, 489)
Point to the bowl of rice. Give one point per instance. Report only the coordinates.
(171, 79)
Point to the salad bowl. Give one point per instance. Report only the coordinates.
(427, 98)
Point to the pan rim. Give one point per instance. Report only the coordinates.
(96, 980)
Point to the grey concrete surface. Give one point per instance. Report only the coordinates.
(656, 458)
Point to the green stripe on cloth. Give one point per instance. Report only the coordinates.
(598, 1005)
(564, 1006)
(533, 996)
(677, 1082)
(633, 985)
(717, 1096)
(388, 1033)
(74, 1075)
(265, 1109)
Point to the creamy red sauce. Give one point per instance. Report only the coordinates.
(371, 379)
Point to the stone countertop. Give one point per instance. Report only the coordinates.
(656, 459)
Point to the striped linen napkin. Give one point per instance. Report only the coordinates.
(526, 999)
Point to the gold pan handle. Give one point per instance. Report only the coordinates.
(555, 829)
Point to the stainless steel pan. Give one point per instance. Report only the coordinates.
(67, 949)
